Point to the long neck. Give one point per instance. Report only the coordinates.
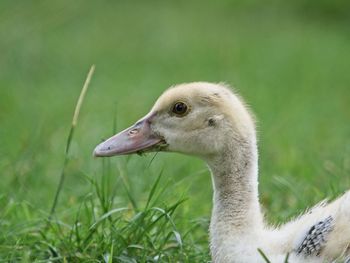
(236, 210)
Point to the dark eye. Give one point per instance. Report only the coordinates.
(180, 108)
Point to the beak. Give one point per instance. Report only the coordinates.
(136, 139)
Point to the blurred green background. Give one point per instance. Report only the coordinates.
(290, 60)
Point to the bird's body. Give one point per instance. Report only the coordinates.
(211, 122)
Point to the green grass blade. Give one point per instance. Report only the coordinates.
(70, 137)
(153, 190)
(263, 256)
(287, 258)
(105, 216)
(110, 258)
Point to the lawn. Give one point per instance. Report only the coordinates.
(290, 62)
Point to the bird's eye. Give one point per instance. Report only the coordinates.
(180, 108)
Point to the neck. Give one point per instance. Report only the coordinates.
(236, 210)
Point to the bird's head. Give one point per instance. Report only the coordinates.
(195, 118)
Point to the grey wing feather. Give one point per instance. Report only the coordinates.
(316, 237)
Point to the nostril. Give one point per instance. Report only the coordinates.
(133, 131)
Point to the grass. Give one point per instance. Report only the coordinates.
(289, 61)
(70, 137)
(99, 232)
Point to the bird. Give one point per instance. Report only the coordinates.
(212, 122)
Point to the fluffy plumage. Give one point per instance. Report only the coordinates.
(219, 129)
